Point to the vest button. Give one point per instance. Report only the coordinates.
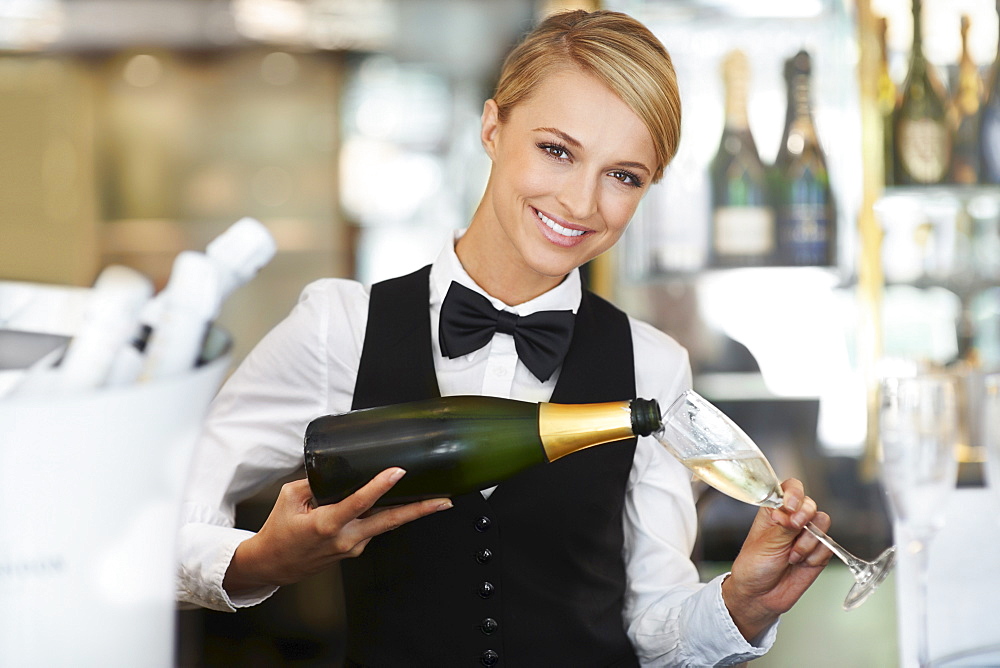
(486, 589)
(489, 658)
(488, 626)
(483, 524)
(484, 555)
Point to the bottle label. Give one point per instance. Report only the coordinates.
(923, 149)
(744, 230)
(805, 234)
(990, 143)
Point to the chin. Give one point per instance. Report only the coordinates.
(557, 265)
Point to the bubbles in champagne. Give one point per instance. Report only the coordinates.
(745, 476)
(713, 428)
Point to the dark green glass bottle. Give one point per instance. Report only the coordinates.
(887, 100)
(803, 200)
(964, 111)
(921, 134)
(455, 445)
(989, 124)
(742, 216)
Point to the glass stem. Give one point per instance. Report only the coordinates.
(923, 629)
(858, 567)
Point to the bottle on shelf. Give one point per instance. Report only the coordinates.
(800, 182)
(989, 124)
(459, 444)
(921, 135)
(964, 110)
(742, 230)
(888, 98)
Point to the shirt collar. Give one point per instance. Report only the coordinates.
(447, 268)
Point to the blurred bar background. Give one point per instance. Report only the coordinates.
(133, 129)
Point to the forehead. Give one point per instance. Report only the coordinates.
(582, 106)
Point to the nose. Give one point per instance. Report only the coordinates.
(578, 195)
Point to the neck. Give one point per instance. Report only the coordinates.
(489, 259)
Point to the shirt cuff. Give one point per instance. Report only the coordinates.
(205, 554)
(727, 646)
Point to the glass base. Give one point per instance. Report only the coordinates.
(870, 579)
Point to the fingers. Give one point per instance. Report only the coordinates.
(808, 549)
(365, 498)
(793, 494)
(331, 519)
(391, 518)
(797, 509)
(297, 493)
(354, 519)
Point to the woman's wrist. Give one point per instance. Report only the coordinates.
(750, 618)
(241, 576)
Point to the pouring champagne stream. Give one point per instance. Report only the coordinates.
(718, 452)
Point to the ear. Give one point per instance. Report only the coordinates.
(490, 127)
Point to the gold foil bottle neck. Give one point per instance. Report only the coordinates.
(566, 428)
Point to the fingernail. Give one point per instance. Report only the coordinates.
(791, 505)
(794, 558)
(396, 475)
(445, 505)
(799, 520)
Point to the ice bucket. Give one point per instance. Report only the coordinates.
(90, 493)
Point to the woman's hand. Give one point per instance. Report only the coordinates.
(300, 539)
(777, 563)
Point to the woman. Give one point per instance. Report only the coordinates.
(582, 562)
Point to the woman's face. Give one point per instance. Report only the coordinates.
(570, 165)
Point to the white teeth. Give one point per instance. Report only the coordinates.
(556, 227)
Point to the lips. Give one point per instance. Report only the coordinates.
(560, 232)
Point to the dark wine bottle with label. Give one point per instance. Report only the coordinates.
(965, 105)
(803, 199)
(742, 216)
(989, 124)
(921, 135)
(888, 98)
(455, 445)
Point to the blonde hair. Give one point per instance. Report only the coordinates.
(621, 52)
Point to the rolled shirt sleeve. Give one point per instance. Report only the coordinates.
(303, 368)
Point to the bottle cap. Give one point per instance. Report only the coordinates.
(645, 416)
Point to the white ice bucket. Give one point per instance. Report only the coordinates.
(90, 494)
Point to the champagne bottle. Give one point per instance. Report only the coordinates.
(965, 116)
(888, 98)
(922, 140)
(742, 218)
(804, 205)
(459, 444)
(989, 124)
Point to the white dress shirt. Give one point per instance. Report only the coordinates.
(307, 367)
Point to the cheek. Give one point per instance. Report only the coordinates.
(527, 174)
(618, 211)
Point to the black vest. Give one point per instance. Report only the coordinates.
(533, 576)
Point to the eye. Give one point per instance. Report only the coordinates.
(557, 151)
(626, 177)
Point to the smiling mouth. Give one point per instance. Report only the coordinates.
(557, 228)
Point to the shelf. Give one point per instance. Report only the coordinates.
(740, 386)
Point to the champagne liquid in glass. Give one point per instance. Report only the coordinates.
(745, 476)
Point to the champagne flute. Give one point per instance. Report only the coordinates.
(706, 441)
(919, 428)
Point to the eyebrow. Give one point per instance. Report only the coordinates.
(572, 141)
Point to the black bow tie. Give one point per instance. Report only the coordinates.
(468, 322)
